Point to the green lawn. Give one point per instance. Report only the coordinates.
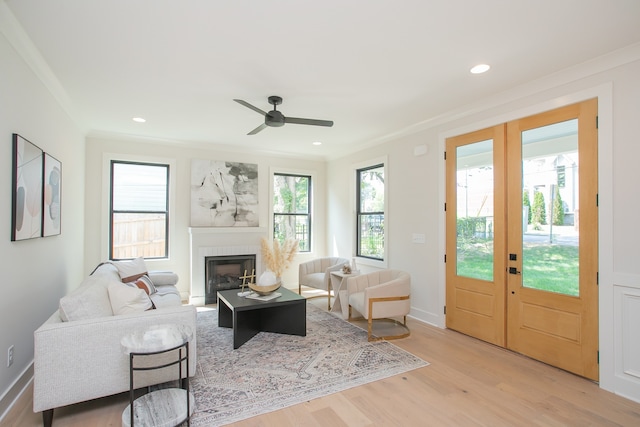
(552, 268)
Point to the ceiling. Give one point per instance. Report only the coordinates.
(374, 67)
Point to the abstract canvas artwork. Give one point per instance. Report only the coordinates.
(26, 219)
(52, 196)
(224, 194)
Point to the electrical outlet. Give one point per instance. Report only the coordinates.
(10, 356)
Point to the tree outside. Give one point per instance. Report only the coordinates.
(291, 209)
(558, 207)
(527, 202)
(539, 212)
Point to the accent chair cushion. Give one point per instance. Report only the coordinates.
(314, 280)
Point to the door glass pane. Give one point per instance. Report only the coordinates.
(474, 223)
(550, 211)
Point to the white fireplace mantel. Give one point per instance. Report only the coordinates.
(218, 241)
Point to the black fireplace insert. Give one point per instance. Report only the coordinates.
(225, 272)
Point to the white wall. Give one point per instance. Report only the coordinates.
(179, 155)
(36, 272)
(413, 207)
(416, 199)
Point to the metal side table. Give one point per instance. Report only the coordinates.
(167, 406)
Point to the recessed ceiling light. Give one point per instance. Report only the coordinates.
(480, 68)
(317, 143)
(139, 120)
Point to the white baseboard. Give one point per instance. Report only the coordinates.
(15, 391)
(427, 317)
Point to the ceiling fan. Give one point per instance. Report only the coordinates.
(275, 118)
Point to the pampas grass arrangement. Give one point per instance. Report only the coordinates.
(276, 256)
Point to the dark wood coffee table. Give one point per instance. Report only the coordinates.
(286, 314)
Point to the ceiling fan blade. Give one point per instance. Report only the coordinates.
(258, 129)
(314, 122)
(246, 104)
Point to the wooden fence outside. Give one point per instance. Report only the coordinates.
(139, 235)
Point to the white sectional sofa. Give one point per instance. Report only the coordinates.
(78, 355)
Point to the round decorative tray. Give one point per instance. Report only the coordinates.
(264, 290)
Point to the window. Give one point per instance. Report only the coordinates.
(139, 210)
(292, 209)
(370, 212)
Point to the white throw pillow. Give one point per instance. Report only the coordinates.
(89, 301)
(128, 299)
(131, 270)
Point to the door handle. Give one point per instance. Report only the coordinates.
(513, 270)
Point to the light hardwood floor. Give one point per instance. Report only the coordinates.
(468, 383)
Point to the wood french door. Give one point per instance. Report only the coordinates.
(525, 268)
(475, 234)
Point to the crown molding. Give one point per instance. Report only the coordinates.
(576, 72)
(20, 41)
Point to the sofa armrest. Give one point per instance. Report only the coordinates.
(162, 278)
(82, 360)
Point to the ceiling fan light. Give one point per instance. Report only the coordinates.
(480, 68)
(138, 120)
(317, 143)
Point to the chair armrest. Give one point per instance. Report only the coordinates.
(327, 274)
(394, 288)
(335, 267)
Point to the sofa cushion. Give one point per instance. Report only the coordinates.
(126, 299)
(90, 300)
(131, 270)
(166, 296)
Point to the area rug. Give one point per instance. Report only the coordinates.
(273, 371)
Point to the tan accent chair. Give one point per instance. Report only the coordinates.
(317, 274)
(382, 294)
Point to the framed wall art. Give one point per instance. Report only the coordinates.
(52, 196)
(26, 218)
(224, 194)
